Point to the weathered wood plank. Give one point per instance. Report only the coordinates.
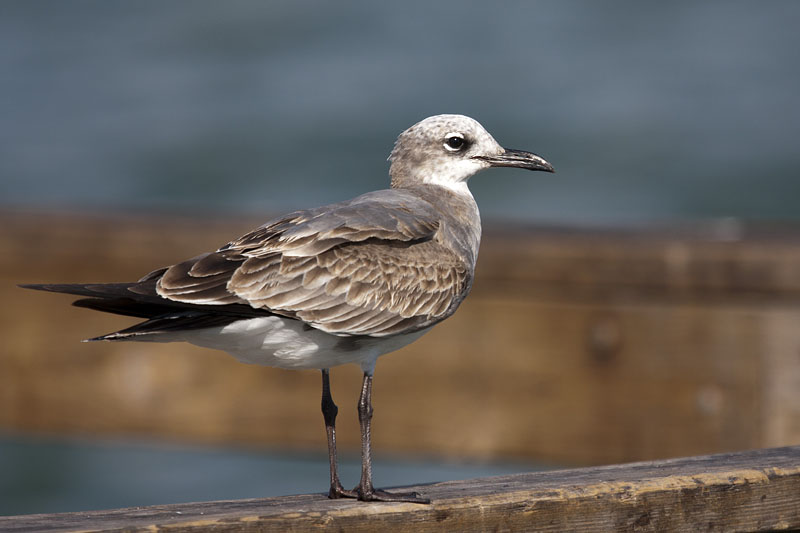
(576, 347)
(740, 492)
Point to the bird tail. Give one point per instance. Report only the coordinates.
(141, 300)
(129, 299)
(161, 326)
(96, 290)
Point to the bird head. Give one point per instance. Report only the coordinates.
(449, 149)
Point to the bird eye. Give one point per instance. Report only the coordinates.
(454, 142)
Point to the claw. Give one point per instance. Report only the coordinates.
(337, 491)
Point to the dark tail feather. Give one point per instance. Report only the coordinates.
(100, 290)
(138, 299)
(123, 306)
(171, 323)
(130, 299)
(141, 300)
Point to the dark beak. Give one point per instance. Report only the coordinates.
(518, 159)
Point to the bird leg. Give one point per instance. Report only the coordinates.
(365, 491)
(329, 412)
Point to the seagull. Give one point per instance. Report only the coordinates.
(343, 283)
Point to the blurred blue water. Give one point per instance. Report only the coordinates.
(648, 110)
(45, 475)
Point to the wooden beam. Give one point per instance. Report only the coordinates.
(744, 492)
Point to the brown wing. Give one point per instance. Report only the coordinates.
(370, 288)
(369, 266)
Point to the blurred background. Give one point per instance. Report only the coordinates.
(640, 303)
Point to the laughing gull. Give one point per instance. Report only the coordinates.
(342, 283)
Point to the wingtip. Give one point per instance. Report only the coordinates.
(108, 337)
(49, 287)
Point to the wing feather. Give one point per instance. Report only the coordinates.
(370, 266)
(357, 296)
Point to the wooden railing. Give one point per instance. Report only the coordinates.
(743, 492)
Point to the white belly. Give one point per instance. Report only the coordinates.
(286, 343)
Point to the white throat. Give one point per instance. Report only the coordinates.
(458, 187)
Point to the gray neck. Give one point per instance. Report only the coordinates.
(460, 228)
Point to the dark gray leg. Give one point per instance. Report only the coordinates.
(329, 412)
(366, 492)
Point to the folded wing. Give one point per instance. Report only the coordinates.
(369, 266)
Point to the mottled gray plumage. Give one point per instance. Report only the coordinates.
(368, 266)
(343, 283)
